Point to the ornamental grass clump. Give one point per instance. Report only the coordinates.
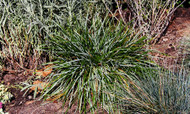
(26, 23)
(161, 91)
(87, 55)
(20, 37)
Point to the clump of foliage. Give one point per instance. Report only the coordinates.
(161, 91)
(20, 36)
(25, 24)
(88, 55)
(5, 96)
(20, 48)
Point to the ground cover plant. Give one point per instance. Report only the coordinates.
(96, 61)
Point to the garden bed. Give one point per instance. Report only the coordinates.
(169, 44)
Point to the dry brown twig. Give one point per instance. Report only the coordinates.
(151, 17)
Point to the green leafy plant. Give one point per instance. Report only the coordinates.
(87, 56)
(5, 96)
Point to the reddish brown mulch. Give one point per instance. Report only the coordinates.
(168, 44)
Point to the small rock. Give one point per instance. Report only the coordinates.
(30, 97)
(165, 39)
